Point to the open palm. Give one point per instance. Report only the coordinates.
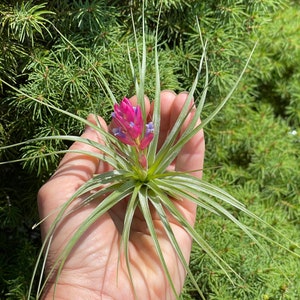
(96, 269)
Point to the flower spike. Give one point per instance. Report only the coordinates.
(128, 125)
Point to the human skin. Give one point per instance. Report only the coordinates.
(92, 271)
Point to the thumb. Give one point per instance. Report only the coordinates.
(80, 166)
(74, 170)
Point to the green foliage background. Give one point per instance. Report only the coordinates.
(252, 145)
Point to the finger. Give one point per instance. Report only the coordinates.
(177, 107)
(73, 171)
(191, 157)
(83, 166)
(171, 117)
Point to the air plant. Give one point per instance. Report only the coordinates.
(140, 177)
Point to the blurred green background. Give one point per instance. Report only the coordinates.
(253, 145)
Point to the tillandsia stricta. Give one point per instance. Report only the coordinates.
(125, 207)
(118, 214)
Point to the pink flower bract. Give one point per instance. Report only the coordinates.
(128, 125)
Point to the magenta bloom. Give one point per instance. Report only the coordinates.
(148, 137)
(128, 125)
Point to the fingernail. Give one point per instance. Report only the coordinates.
(168, 91)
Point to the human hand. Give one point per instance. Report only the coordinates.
(91, 271)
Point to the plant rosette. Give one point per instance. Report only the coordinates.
(144, 181)
(139, 176)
